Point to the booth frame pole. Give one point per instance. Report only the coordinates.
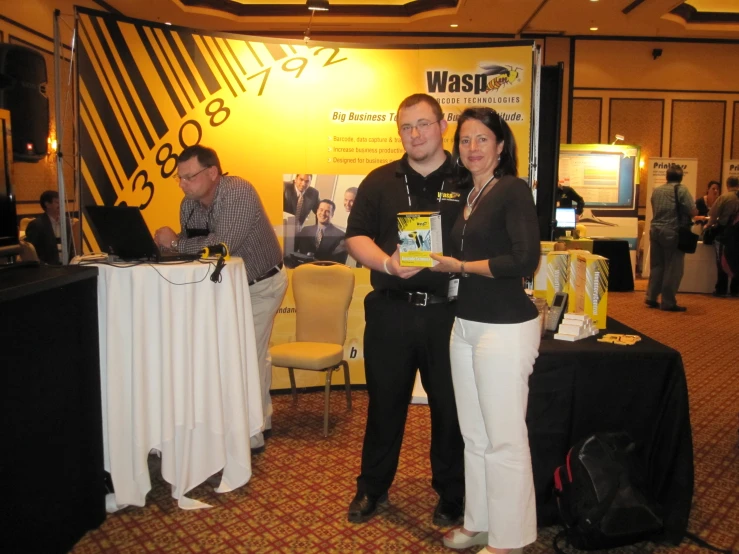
(59, 142)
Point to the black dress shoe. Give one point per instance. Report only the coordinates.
(448, 513)
(652, 303)
(675, 308)
(364, 506)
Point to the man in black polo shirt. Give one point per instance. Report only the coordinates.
(408, 315)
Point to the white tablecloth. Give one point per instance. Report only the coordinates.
(179, 374)
(700, 272)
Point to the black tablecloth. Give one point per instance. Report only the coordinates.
(582, 387)
(51, 458)
(620, 274)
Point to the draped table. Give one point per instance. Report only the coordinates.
(179, 375)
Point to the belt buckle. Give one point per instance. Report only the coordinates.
(423, 295)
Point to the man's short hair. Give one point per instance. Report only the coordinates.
(206, 157)
(47, 197)
(674, 174)
(732, 182)
(414, 99)
(330, 203)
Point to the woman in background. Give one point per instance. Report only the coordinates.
(495, 340)
(704, 203)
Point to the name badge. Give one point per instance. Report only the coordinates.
(453, 288)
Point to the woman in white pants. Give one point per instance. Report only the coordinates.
(496, 335)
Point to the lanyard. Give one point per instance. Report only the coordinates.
(408, 191)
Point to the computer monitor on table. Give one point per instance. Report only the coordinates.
(565, 218)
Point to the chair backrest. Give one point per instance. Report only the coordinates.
(322, 292)
(24, 223)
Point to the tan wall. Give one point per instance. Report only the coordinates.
(681, 104)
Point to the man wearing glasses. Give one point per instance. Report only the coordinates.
(225, 209)
(408, 315)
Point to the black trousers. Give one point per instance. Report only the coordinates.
(722, 278)
(399, 339)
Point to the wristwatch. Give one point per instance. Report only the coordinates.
(173, 245)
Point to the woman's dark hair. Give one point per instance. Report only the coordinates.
(711, 183)
(508, 164)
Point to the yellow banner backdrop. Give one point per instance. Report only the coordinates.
(271, 109)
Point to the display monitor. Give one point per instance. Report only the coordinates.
(604, 175)
(565, 218)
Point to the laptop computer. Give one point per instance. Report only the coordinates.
(122, 231)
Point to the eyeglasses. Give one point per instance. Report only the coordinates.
(179, 177)
(421, 127)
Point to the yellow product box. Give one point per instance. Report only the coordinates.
(558, 267)
(572, 279)
(546, 246)
(420, 235)
(579, 244)
(591, 292)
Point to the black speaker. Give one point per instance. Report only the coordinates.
(23, 91)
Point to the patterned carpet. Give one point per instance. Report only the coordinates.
(302, 484)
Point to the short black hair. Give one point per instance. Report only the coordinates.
(414, 99)
(330, 203)
(207, 157)
(714, 182)
(508, 164)
(674, 174)
(47, 197)
(732, 182)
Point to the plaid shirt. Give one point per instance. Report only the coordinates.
(237, 218)
(663, 206)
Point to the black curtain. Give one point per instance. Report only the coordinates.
(550, 114)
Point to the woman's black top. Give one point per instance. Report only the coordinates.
(503, 229)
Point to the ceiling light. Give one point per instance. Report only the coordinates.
(593, 0)
(317, 5)
(454, 25)
(167, 23)
(594, 28)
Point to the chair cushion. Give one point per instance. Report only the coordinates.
(307, 355)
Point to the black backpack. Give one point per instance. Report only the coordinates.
(599, 498)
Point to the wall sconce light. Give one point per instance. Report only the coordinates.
(618, 137)
(641, 163)
(317, 5)
(52, 144)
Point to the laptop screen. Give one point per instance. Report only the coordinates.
(122, 231)
(565, 218)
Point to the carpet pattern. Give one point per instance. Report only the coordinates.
(297, 498)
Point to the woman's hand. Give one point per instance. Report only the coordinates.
(446, 264)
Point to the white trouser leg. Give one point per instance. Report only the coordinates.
(491, 365)
(266, 297)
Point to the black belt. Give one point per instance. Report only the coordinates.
(415, 298)
(272, 272)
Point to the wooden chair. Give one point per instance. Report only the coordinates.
(322, 292)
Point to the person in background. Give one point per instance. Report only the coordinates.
(705, 202)
(300, 198)
(666, 262)
(722, 214)
(45, 232)
(408, 314)
(349, 195)
(324, 240)
(496, 335)
(565, 196)
(227, 209)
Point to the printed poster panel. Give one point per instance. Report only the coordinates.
(277, 112)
